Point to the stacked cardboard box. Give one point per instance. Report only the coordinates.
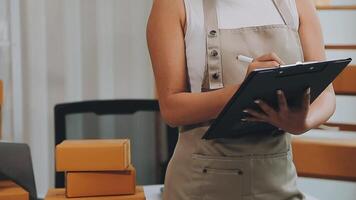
(96, 168)
(59, 194)
(11, 191)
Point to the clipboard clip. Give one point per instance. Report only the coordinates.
(300, 68)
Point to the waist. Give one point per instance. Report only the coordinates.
(186, 128)
(254, 144)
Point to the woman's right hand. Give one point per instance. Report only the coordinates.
(264, 61)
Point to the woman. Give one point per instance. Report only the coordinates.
(193, 46)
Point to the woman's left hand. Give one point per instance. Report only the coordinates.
(291, 120)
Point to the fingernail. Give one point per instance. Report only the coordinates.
(257, 101)
(245, 111)
(279, 91)
(308, 90)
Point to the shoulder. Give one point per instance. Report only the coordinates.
(306, 9)
(169, 9)
(165, 21)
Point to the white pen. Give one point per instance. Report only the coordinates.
(244, 58)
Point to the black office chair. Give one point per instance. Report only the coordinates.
(152, 141)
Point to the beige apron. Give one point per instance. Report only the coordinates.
(251, 167)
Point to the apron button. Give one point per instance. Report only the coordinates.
(216, 75)
(205, 170)
(214, 53)
(240, 172)
(212, 33)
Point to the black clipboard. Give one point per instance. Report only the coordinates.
(263, 84)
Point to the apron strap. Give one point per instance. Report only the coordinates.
(285, 13)
(213, 53)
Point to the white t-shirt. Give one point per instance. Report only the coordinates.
(231, 14)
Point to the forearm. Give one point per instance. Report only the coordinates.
(311, 36)
(186, 108)
(322, 108)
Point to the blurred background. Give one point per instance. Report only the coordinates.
(55, 51)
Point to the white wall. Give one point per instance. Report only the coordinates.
(5, 65)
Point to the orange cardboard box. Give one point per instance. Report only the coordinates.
(59, 194)
(1, 93)
(11, 191)
(88, 184)
(93, 155)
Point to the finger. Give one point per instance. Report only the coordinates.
(270, 57)
(282, 101)
(306, 99)
(256, 114)
(276, 58)
(265, 107)
(267, 57)
(253, 119)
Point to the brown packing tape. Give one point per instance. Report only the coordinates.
(126, 158)
(128, 153)
(59, 194)
(88, 184)
(93, 155)
(11, 191)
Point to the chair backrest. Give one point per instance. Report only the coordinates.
(152, 141)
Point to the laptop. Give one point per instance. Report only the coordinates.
(16, 165)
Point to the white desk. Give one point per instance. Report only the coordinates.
(153, 192)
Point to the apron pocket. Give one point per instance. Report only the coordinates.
(222, 184)
(274, 174)
(216, 178)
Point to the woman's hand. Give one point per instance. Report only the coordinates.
(292, 120)
(264, 61)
